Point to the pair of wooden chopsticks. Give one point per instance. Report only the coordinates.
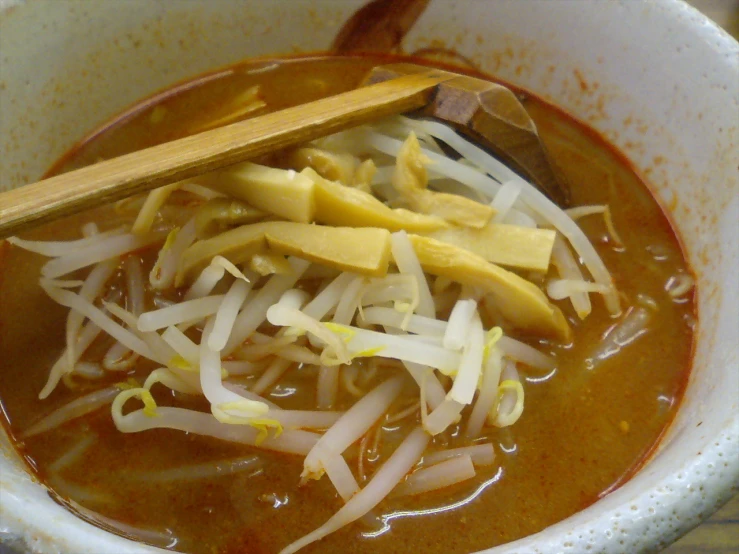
(111, 180)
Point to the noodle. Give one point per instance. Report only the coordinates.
(73, 410)
(443, 474)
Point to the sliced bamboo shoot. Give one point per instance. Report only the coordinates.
(237, 245)
(364, 250)
(410, 179)
(330, 165)
(337, 204)
(269, 264)
(363, 175)
(520, 301)
(224, 211)
(509, 245)
(452, 208)
(284, 193)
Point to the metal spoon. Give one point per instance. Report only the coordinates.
(493, 117)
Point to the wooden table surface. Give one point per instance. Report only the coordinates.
(720, 534)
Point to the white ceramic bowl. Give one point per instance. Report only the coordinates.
(666, 96)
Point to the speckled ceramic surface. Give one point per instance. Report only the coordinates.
(655, 77)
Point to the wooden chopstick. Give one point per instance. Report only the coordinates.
(111, 180)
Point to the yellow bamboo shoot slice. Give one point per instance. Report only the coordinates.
(217, 213)
(282, 192)
(330, 165)
(363, 176)
(509, 245)
(410, 179)
(337, 204)
(154, 200)
(451, 207)
(520, 301)
(237, 245)
(364, 250)
(269, 264)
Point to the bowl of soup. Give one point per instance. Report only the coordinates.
(386, 339)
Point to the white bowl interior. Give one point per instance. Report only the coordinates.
(657, 79)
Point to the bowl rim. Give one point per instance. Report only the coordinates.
(716, 495)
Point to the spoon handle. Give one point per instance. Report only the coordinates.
(111, 180)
